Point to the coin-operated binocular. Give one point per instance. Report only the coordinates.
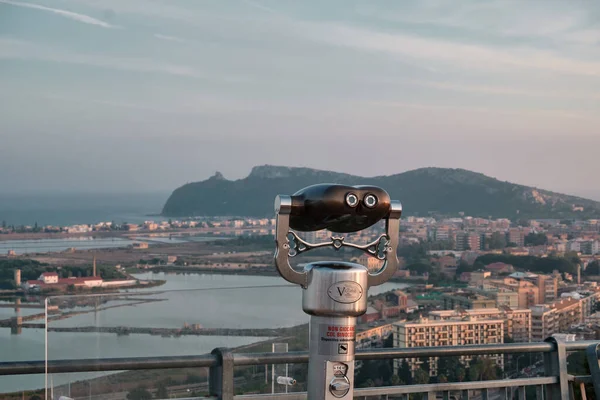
(335, 293)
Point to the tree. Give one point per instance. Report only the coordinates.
(396, 381)
(161, 392)
(497, 241)
(404, 372)
(482, 369)
(461, 374)
(139, 393)
(442, 378)
(420, 268)
(593, 268)
(463, 266)
(3, 224)
(449, 367)
(35, 397)
(421, 377)
(536, 239)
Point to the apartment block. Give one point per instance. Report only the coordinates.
(527, 292)
(517, 236)
(547, 319)
(468, 241)
(450, 332)
(517, 322)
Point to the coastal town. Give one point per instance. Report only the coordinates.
(462, 280)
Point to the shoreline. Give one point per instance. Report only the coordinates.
(220, 271)
(265, 271)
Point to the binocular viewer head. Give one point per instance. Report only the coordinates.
(338, 208)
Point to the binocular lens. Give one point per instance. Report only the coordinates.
(370, 200)
(351, 199)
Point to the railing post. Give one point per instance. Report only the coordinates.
(592, 359)
(220, 383)
(555, 364)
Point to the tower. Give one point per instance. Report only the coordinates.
(17, 277)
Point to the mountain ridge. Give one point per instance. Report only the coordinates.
(422, 191)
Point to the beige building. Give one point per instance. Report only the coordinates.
(517, 322)
(547, 319)
(528, 293)
(373, 336)
(477, 277)
(505, 297)
(547, 287)
(450, 332)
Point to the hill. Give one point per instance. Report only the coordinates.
(422, 192)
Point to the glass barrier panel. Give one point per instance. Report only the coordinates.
(187, 315)
(22, 338)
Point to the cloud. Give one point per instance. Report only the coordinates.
(169, 38)
(487, 89)
(86, 19)
(463, 55)
(556, 21)
(18, 49)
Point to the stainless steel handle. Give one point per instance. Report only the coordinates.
(283, 207)
(390, 266)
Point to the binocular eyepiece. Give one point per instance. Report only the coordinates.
(338, 208)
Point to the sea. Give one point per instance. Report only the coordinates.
(62, 209)
(210, 300)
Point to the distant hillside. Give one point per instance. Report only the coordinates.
(421, 191)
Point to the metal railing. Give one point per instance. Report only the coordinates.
(557, 384)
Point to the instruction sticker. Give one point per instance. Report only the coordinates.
(336, 339)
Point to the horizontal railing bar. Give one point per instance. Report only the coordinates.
(447, 351)
(285, 396)
(245, 359)
(441, 387)
(579, 345)
(581, 378)
(293, 357)
(411, 389)
(106, 364)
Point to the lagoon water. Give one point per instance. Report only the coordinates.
(224, 301)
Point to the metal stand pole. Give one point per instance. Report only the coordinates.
(335, 296)
(331, 364)
(335, 293)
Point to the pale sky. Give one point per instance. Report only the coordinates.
(131, 95)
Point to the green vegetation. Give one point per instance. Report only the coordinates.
(422, 191)
(593, 268)
(536, 239)
(139, 393)
(497, 241)
(534, 264)
(31, 269)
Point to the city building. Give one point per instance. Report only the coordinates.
(505, 297)
(589, 247)
(465, 300)
(450, 332)
(547, 319)
(468, 241)
(372, 337)
(528, 293)
(477, 277)
(500, 268)
(517, 236)
(517, 322)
